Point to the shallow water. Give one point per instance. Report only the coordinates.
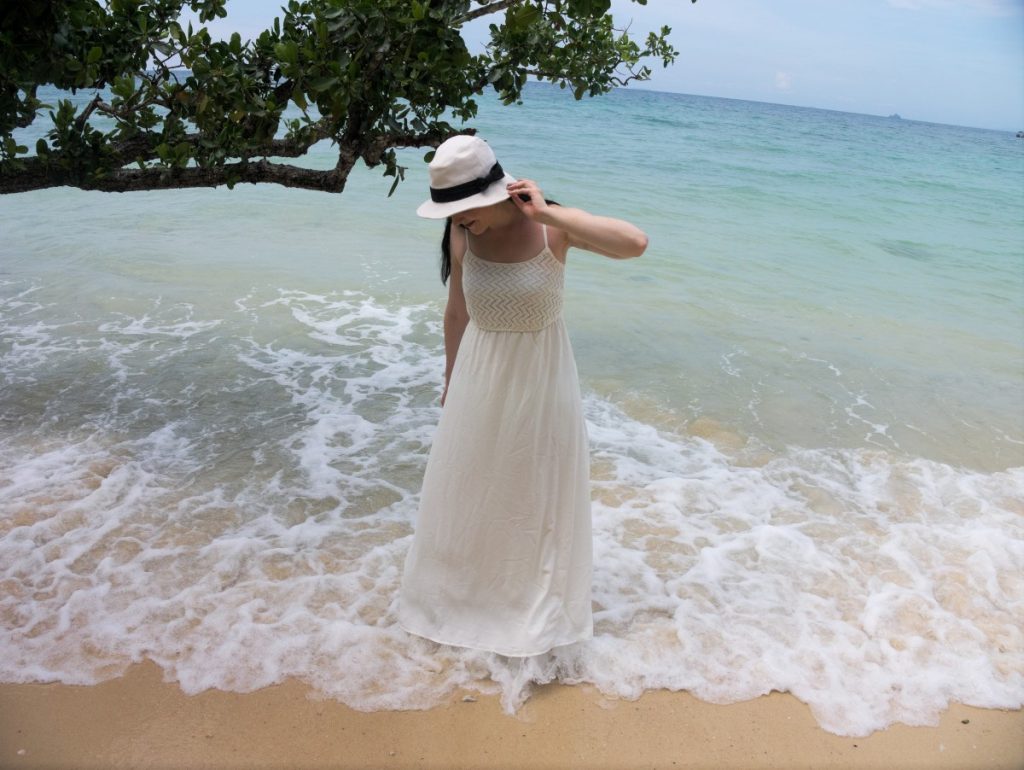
(805, 404)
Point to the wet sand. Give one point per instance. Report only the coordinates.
(140, 721)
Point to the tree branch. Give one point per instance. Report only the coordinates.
(96, 103)
(499, 5)
(375, 147)
(37, 176)
(142, 147)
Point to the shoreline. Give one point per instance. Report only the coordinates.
(138, 720)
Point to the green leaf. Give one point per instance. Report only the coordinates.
(418, 11)
(94, 55)
(287, 52)
(591, 8)
(124, 87)
(324, 83)
(520, 18)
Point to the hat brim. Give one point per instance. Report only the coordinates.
(495, 193)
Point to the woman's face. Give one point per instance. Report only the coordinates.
(479, 219)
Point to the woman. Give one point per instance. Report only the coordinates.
(501, 556)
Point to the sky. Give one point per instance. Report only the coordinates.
(943, 61)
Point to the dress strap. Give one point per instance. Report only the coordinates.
(545, 229)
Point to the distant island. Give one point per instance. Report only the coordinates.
(896, 116)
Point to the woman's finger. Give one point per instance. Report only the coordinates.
(525, 187)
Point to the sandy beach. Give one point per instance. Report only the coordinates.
(140, 721)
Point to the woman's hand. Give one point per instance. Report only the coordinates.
(535, 206)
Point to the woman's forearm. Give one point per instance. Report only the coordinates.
(454, 326)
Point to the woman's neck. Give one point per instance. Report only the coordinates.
(510, 221)
(505, 240)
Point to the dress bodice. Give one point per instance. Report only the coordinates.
(513, 296)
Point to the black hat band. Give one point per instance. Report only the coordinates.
(466, 189)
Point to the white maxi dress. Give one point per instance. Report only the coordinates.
(501, 557)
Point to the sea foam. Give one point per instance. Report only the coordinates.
(233, 496)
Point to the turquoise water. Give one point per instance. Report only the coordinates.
(828, 279)
(805, 402)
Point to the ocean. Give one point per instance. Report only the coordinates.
(805, 404)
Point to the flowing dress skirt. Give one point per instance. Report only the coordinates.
(501, 558)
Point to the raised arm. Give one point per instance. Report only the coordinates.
(614, 238)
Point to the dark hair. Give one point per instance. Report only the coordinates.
(446, 247)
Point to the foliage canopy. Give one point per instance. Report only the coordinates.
(172, 107)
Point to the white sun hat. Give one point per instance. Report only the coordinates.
(464, 174)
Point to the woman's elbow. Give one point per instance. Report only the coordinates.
(638, 245)
(457, 316)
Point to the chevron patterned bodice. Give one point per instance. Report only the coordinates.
(513, 296)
